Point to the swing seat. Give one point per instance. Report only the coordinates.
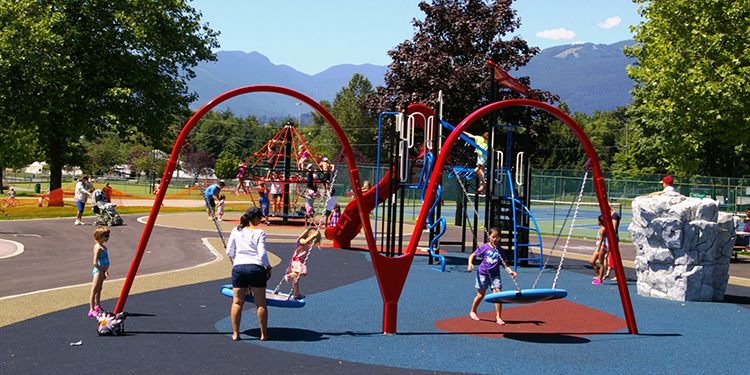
(275, 300)
(525, 296)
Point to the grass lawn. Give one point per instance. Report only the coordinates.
(30, 210)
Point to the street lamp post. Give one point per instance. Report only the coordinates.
(299, 109)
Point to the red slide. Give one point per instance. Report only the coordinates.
(350, 224)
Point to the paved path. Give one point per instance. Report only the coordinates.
(59, 251)
(179, 321)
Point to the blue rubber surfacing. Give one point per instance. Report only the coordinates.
(346, 324)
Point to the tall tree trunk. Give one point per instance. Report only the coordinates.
(55, 172)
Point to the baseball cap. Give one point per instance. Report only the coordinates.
(667, 180)
(253, 212)
(325, 158)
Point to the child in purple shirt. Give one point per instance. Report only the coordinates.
(488, 274)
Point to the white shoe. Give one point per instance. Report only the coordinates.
(78, 223)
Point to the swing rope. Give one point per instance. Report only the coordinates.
(567, 242)
(577, 205)
(486, 232)
(572, 224)
(203, 194)
(317, 227)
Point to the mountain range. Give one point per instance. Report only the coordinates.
(234, 69)
(587, 77)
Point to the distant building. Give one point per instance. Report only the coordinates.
(35, 167)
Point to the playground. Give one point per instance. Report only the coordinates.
(375, 302)
(179, 321)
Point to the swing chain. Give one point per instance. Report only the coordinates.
(203, 194)
(570, 232)
(562, 227)
(321, 204)
(486, 232)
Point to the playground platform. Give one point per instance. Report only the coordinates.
(179, 322)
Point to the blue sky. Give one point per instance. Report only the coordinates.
(313, 35)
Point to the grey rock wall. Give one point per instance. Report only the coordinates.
(683, 247)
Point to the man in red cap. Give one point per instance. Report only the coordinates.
(668, 188)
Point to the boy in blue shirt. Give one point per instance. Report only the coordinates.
(211, 195)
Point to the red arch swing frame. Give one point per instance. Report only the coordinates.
(391, 272)
(599, 186)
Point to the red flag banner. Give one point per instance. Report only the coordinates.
(502, 77)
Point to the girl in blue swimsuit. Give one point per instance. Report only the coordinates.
(101, 265)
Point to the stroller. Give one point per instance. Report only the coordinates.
(105, 212)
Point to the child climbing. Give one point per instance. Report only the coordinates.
(481, 141)
(277, 193)
(330, 204)
(488, 274)
(241, 177)
(298, 265)
(302, 156)
(312, 194)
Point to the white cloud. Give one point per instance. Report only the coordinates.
(556, 34)
(610, 22)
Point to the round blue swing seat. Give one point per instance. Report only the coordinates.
(525, 296)
(275, 300)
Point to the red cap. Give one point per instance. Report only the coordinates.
(667, 180)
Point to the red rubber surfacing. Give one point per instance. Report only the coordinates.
(551, 319)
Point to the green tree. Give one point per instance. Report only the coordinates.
(606, 130)
(18, 145)
(321, 135)
(72, 69)
(150, 162)
(226, 166)
(104, 154)
(349, 109)
(449, 52)
(692, 92)
(560, 148)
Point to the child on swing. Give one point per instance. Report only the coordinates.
(488, 274)
(298, 265)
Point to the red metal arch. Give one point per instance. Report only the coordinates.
(353, 173)
(599, 186)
